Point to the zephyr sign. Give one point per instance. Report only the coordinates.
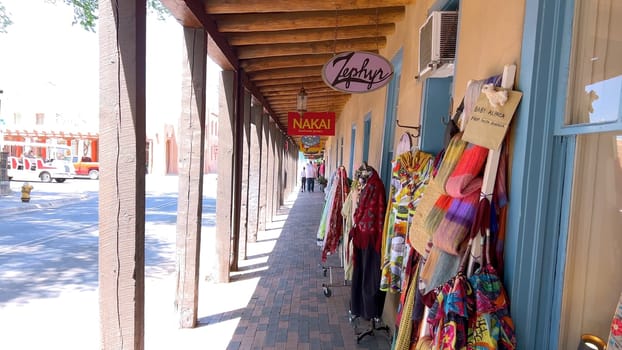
(357, 72)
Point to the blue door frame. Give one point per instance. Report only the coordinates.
(539, 190)
(393, 92)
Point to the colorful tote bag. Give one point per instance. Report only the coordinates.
(491, 326)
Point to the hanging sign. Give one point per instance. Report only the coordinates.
(357, 72)
(309, 141)
(489, 122)
(311, 123)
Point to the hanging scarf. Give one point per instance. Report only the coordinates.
(369, 215)
(335, 219)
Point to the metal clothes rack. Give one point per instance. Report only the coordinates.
(328, 270)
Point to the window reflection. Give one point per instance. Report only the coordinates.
(604, 99)
(595, 80)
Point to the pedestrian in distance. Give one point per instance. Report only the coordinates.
(310, 174)
(303, 179)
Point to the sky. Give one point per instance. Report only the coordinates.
(48, 65)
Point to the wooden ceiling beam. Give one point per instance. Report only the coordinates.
(294, 86)
(261, 6)
(294, 91)
(311, 104)
(286, 73)
(262, 83)
(308, 19)
(307, 35)
(260, 64)
(318, 47)
(320, 96)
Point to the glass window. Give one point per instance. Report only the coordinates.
(592, 279)
(595, 80)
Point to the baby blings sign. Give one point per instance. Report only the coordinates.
(491, 118)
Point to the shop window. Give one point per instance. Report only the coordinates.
(595, 80)
(592, 283)
(592, 278)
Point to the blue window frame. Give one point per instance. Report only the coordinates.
(341, 151)
(366, 136)
(352, 149)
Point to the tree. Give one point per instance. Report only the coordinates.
(5, 19)
(84, 13)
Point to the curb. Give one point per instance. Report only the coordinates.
(17, 206)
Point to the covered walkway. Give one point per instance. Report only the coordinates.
(288, 309)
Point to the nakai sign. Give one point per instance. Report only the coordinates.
(311, 123)
(357, 72)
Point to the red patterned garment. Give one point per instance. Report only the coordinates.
(369, 215)
(335, 223)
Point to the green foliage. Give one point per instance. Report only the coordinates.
(5, 20)
(85, 13)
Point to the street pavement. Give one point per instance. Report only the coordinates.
(274, 301)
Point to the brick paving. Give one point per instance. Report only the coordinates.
(288, 308)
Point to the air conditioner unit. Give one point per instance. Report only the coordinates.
(437, 41)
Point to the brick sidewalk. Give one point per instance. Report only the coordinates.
(288, 309)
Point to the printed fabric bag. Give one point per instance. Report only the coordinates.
(449, 316)
(490, 326)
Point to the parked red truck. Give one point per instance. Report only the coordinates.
(86, 167)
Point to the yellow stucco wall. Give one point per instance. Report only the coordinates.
(490, 37)
(490, 34)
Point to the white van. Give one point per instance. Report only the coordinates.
(28, 167)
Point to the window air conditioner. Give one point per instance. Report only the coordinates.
(437, 42)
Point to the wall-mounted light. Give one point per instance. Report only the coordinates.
(301, 100)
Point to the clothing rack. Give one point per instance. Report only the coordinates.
(328, 270)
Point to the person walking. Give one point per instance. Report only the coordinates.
(310, 173)
(303, 179)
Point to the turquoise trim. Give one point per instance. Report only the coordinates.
(393, 92)
(352, 149)
(589, 128)
(537, 177)
(563, 241)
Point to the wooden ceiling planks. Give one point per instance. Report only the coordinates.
(262, 6)
(282, 45)
(309, 35)
(276, 21)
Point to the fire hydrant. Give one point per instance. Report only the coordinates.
(26, 188)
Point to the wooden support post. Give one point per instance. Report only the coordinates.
(238, 155)
(224, 204)
(191, 156)
(246, 138)
(122, 168)
(274, 195)
(254, 171)
(263, 170)
(280, 174)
